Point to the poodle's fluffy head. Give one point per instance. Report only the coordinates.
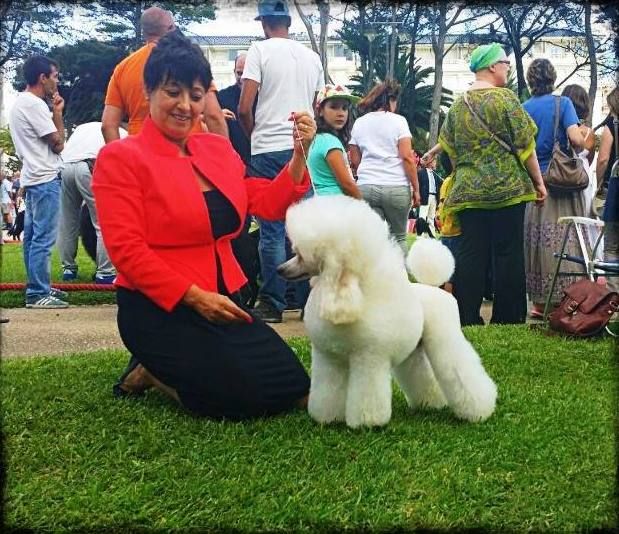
(338, 240)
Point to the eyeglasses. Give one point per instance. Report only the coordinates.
(505, 62)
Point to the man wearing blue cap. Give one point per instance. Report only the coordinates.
(283, 75)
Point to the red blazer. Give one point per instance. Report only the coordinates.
(154, 219)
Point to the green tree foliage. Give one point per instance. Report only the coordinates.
(86, 68)
(8, 149)
(26, 24)
(120, 20)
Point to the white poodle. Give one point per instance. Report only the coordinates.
(365, 319)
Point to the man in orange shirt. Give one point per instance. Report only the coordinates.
(125, 93)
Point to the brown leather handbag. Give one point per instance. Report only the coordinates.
(566, 172)
(585, 310)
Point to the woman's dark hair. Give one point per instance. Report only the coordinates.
(613, 102)
(579, 98)
(379, 96)
(176, 58)
(35, 66)
(322, 127)
(541, 77)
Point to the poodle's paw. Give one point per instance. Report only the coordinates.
(324, 412)
(479, 404)
(368, 416)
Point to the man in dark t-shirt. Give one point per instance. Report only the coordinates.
(229, 99)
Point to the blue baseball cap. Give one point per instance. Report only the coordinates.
(272, 8)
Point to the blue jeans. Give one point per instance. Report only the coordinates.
(40, 229)
(272, 245)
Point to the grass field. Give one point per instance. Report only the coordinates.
(78, 459)
(12, 270)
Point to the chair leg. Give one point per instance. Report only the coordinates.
(554, 278)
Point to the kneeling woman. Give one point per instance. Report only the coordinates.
(169, 204)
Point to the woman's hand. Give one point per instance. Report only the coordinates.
(229, 115)
(416, 199)
(303, 131)
(215, 307)
(540, 190)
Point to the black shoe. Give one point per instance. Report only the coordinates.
(119, 392)
(267, 313)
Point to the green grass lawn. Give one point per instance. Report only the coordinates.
(12, 270)
(545, 460)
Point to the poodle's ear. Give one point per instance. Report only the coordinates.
(341, 299)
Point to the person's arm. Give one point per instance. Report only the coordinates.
(532, 166)
(337, 164)
(245, 111)
(576, 139)
(405, 151)
(110, 123)
(55, 140)
(355, 157)
(589, 139)
(606, 144)
(213, 116)
(432, 153)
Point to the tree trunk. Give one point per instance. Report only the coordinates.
(522, 83)
(320, 46)
(323, 9)
(413, 36)
(308, 27)
(438, 48)
(392, 42)
(593, 85)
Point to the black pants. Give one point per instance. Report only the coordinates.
(498, 235)
(233, 371)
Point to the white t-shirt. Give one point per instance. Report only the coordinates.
(377, 134)
(85, 142)
(289, 75)
(30, 120)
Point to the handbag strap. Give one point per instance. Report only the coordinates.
(557, 114)
(616, 127)
(509, 147)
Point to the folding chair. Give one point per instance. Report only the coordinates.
(592, 267)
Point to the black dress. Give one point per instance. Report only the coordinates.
(233, 371)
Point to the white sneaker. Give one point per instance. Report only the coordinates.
(47, 302)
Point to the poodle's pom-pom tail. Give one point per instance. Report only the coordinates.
(430, 262)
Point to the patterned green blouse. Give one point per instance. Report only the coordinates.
(486, 175)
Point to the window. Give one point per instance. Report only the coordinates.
(232, 53)
(341, 50)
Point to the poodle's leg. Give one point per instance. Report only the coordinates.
(327, 398)
(369, 391)
(470, 392)
(417, 381)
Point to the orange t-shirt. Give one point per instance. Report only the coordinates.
(126, 89)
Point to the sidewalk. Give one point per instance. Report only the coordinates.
(80, 329)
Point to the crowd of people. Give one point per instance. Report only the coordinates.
(276, 136)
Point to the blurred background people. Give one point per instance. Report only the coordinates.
(543, 234)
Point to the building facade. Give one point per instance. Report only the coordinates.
(221, 52)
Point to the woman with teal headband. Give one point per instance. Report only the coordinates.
(491, 187)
